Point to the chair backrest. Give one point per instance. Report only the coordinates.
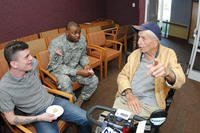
(62, 30)
(28, 38)
(1, 52)
(93, 29)
(96, 38)
(43, 58)
(103, 23)
(4, 44)
(122, 32)
(4, 66)
(51, 37)
(48, 33)
(37, 45)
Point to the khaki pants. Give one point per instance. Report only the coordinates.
(146, 110)
(121, 103)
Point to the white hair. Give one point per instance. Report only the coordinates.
(152, 35)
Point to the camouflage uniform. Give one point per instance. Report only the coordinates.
(64, 67)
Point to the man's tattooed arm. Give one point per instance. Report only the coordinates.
(24, 119)
(17, 119)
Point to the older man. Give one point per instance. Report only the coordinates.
(144, 81)
(69, 62)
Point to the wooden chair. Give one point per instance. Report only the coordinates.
(95, 61)
(28, 38)
(37, 45)
(1, 52)
(4, 44)
(121, 36)
(93, 29)
(111, 33)
(103, 23)
(62, 30)
(48, 33)
(99, 39)
(49, 38)
(30, 128)
(47, 78)
(4, 66)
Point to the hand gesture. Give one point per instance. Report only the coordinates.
(91, 72)
(59, 52)
(84, 73)
(87, 67)
(157, 69)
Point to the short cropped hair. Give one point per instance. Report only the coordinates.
(12, 48)
(72, 23)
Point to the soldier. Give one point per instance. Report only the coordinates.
(69, 62)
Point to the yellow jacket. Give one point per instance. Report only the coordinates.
(168, 57)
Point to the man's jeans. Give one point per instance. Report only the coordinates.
(72, 113)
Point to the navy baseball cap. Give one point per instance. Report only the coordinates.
(149, 26)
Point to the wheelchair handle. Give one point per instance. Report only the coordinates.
(139, 118)
(97, 107)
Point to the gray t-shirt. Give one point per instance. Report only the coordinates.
(143, 85)
(26, 94)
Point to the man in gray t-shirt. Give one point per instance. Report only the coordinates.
(21, 88)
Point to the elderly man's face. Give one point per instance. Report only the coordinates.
(146, 43)
(74, 34)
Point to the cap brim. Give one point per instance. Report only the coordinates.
(137, 28)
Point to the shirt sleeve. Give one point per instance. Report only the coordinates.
(84, 57)
(6, 104)
(178, 71)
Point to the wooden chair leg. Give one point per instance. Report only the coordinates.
(125, 45)
(101, 71)
(105, 68)
(119, 61)
(74, 128)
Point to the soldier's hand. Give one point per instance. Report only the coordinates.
(84, 73)
(91, 72)
(59, 52)
(87, 67)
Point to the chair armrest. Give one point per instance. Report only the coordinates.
(115, 43)
(61, 93)
(23, 129)
(96, 48)
(169, 98)
(111, 34)
(44, 71)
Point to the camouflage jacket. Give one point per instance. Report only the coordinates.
(74, 55)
